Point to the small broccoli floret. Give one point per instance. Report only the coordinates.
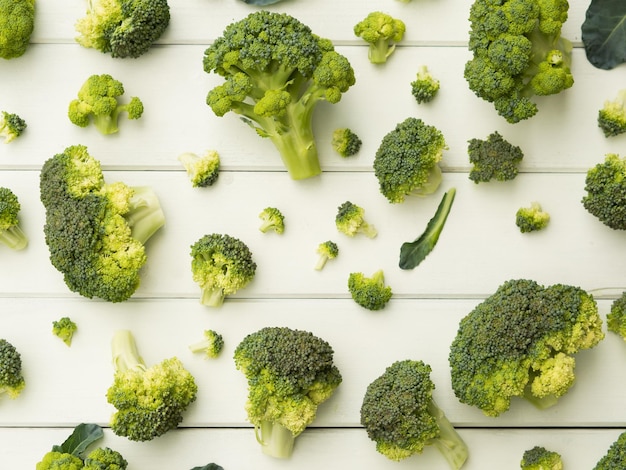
(149, 401)
(615, 457)
(493, 158)
(401, 417)
(531, 219)
(105, 458)
(221, 265)
(605, 185)
(345, 142)
(272, 219)
(369, 292)
(99, 102)
(539, 458)
(326, 250)
(17, 22)
(202, 170)
(11, 379)
(64, 328)
(350, 220)
(425, 87)
(211, 466)
(290, 373)
(11, 233)
(407, 161)
(11, 126)
(520, 342)
(55, 460)
(211, 345)
(612, 116)
(381, 32)
(616, 318)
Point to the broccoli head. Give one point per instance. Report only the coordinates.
(11, 379)
(105, 458)
(202, 170)
(17, 22)
(531, 219)
(11, 126)
(407, 160)
(520, 342)
(350, 220)
(400, 415)
(290, 373)
(211, 345)
(425, 87)
(326, 250)
(64, 328)
(615, 457)
(381, 32)
(149, 401)
(124, 28)
(605, 185)
(11, 233)
(539, 458)
(272, 219)
(493, 158)
(346, 142)
(221, 265)
(612, 116)
(616, 318)
(369, 292)
(96, 231)
(276, 70)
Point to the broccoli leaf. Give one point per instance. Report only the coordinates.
(82, 437)
(604, 33)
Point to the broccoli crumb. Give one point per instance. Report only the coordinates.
(64, 329)
(531, 219)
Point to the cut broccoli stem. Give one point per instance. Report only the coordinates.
(449, 443)
(14, 237)
(380, 51)
(145, 216)
(275, 439)
(540, 402)
(212, 297)
(125, 353)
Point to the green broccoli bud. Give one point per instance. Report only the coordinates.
(425, 87)
(272, 219)
(17, 23)
(616, 318)
(539, 458)
(326, 250)
(605, 185)
(105, 458)
(12, 381)
(202, 170)
(381, 32)
(531, 219)
(369, 292)
(612, 116)
(350, 220)
(493, 158)
(615, 457)
(11, 126)
(345, 142)
(64, 329)
(211, 345)
(11, 233)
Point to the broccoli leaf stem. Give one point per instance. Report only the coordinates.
(212, 296)
(14, 237)
(449, 442)
(275, 439)
(125, 353)
(145, 215)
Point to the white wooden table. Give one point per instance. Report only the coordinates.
(479, 249)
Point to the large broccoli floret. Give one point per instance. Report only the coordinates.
(518, 52)
(11, 126)
(11, 378)
(96, 231)
(125, 28)
(605, 185)
(369, 292)
(149, 401)
(532, 218)
(520, 342)
(202, 170)
(407, 160)
(493, 158)
(381, 32)
(540, 458)
(17, 22)
(612, 116)
(615, 457)
(400, 415)
(11, 233)
(350, 220)
(276, 70)
(425, 86)
(290, 373)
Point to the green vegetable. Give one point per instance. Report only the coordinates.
(149, 401)
(12, 381)
(105, 458)
(202, 170)
(260, 3)
(369, 292)
(11, 233)
(604, 32)
(615, 457)
(96, 231)
(605, 185)
(520, 342)
(612, 116)
(272, 219)
(616, 318)
(493, 158)
(209, 466)
(11, 126)
(381, 32)
(345, 142)
(17, 22)
(276, 71)
(425, 87)
(531, 219)
(290, 373)
(400, 415)
(413, 253)
(211, 345)
(64, 328)
(539, 458)
(350, 220)
(326, 250)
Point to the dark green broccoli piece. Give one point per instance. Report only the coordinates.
(531, 219)
(124, 28)
(105, 458)
(350, 220)
(369, 292)
(276, 71)
(425, 87)
(221, 265)
(539, 458)
(17, 22)
(64, 328)
(381, 32)
(407, 160)
(605, 185)
(149, 400)
(616, 318)
(520, 342)
(210, 466)
(290, 373)
(211, 345)
(99, 102)
(345, 142)
(493, 158)
(401, 417)
(11, 378)
(11, 233)
(612, 116)
(96, 231)
(272, 219)
(326, 250)
(615, 457)
(202, 170)
(11, 126)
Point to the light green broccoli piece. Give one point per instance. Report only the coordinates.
(369, 292)
(326, 250)
(616, 318)
(531, 219)
(425, 87)
(272, 219)
(11, 233)
(202, 170)
(11, 126)
(64, 329)
(345, 142)
(381, 32)
(612, 116)
(540, 458)
(211, 345)
(350, 220)
(17, 23)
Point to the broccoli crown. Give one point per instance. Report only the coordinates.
(350, 220)
(211, 345)
(518, 52)
(221, 265)
(17, 22)
(493, 158)
(105, 458)
(272, 219)
(99, 102)
(381, 32)
(539, 458)
(276, 70)
(425, 87)
(612, 116)
(11, 233)
(125, 28)
(149, 400)
(616, 318)
(326, 250)
(202, 170)
(56, 460)
(346, 142)
(96, 231)
(11, 126)
(605, 185)
(533, 218)
(11, 379)
(64, 328)
(407, 160)
(369, 292)
(615, 457)
(520, 341)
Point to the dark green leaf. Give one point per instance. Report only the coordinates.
(604, 33)
(82, 437)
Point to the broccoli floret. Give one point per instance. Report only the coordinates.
(11, 126)
(149, 401)
(518, 52)
(276, 70)
(202, 170)
(493, 158)
(125, 28)
(221, 265)
(605, 185)
(210, 466)
(402, 418)
(272, 219)
(11, 233)
(531, 219)
(616, 318)
(350, 220)
(381, 32)
(17, 22)
(346, 142)
(520, 342)
(407, 161)
(64, 328)
(425, 87)
(615, 457)
(11, 379)
(211, 345)
(369, 292)
(55, 460)
(99, 102)
(612, 116)
(539, 458)
(96, 231)
(105, 458)
(290, 373)
(326, 250)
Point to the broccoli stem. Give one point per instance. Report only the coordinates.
(145, 216)
(14, 237)
(125, 353)
(106, 124)
(449, 442)
(275, 439)
(379, 51)
(212, 296)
